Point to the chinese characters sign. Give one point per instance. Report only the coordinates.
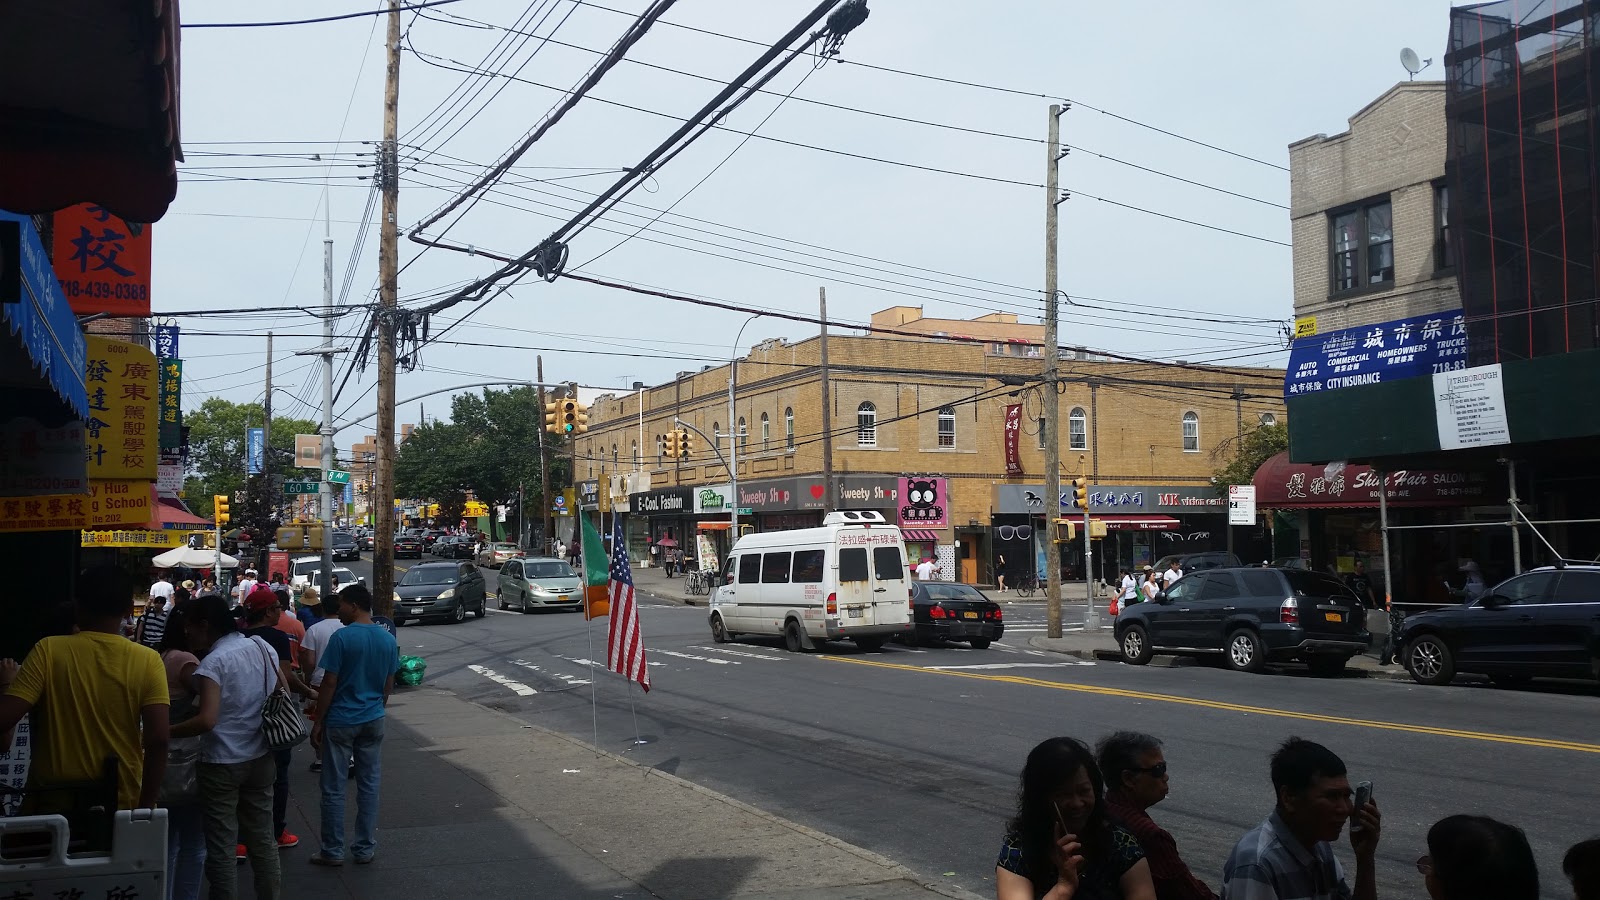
(103, 262)
(1372, 354)
(120, 433)
(169, 402)
(35, 459)
(1013, 439)
(924, 501)
(107, 504)
(166, 342)
(165, 539)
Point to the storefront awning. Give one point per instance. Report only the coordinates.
(922, 535)
(1139, 523)
(1281, 484)
(171, 515)
(41, 322)
(713, 526)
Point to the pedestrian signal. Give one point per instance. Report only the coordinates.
(1066, 532)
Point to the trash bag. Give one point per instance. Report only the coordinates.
(411, 670)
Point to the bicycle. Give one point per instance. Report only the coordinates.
(698, 582)
(1026, 585)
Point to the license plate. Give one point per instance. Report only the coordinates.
(1333, 617)
(969, 615)
(855, 612)
(417, 612)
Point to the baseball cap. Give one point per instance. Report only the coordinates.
(261, 598)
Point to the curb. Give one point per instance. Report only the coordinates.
(894, 869)
(1103, 654)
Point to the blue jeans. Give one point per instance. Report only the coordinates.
(186, 851)
(364, 744)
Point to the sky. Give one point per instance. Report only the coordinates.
(279, 125)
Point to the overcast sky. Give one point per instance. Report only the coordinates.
(1250, 77)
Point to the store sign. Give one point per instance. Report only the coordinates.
(667, 502)
(1014, 440)
(120, 433)
(924, 501)
(163, 540)
(108, 503)
(39, 460)
(1241, 504)
(1470, 407)
(1374, 354)
(170, 402)
(717, 499)
(169, 475)
(1114, 499)
(1281, 484)
(589, 494)
(103, 262)
(166, 342)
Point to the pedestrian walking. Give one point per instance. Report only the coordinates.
(152, 623)
(1290, 854)
(1000, 571)
(1472, 857)
(236, 770)
(359, 665)
(1152, 586)
(926, 569)
(1581, 865)
(1129, 587)
(1391, 643)
(186, 838)
(263, 614)
(1135, 771)
(316, 641)
(1173, 573)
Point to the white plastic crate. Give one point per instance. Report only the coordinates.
(136, 869)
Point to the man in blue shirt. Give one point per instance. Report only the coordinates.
(359, 665)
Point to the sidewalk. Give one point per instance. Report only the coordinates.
(475, 802)
(1100, 645)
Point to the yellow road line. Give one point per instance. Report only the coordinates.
(1542, 743)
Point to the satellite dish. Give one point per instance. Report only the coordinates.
(1408, 58)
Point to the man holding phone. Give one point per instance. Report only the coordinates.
(1290, 855)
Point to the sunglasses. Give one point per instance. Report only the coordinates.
(1425, 864)
(1015, 532)
(1156, 771)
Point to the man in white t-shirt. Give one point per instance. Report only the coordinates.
(316, 641)
(925, 569)
(162, 589)
(245, 585)
(1173, 573)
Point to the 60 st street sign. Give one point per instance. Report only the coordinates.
(301, 487)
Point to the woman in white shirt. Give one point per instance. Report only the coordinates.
(1151, 586)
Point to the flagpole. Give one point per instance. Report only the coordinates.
(588, 627)
(637, 737)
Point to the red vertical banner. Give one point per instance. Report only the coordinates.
(1013, 439)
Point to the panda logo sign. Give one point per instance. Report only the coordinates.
(923, 501)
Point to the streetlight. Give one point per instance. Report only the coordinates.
(733, 431)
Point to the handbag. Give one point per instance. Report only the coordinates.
(282, 724)
(180, 783)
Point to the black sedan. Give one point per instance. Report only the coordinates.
(345, 546)
(450, 547)
(405, 545)
(942, 611)
(440, 591)
(1543, 623)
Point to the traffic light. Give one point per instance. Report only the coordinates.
(551, 414)
(1080, 493)
(685, 444)
(582, 421)
(1066, 532)
(567, 417)
(219, 508)
(670, 441)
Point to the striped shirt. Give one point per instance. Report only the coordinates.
(154, 622)
(1269, 863)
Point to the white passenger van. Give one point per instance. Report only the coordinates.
(846, 580)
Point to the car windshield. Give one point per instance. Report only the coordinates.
(430, 575)
(952, 591)
(307, 567)
(549, 570)
(342, 539)
(1317, 584)
(505, 547)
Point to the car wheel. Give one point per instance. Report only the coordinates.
(523, 604)
(482, 610)
(980, 643)
(500, 598)
(1327, 666)
(719, 631)
(1244, 651)
(459, 615)
(1429, 660)
(870, 644)
(793, 640)
(1135, 644)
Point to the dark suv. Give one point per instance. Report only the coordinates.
(1198, 562)
(1250, 616)
(1543, 623)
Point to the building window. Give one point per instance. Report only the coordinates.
(716, 435)
(947, 426)
(661, 449)
(1443, 256)
(788, 427)
(1078, 429)
(614, 457)
(766, 430)
(1191, 432)
(867, 425)
(1268, 419)
(1362, 246)
(636, 459)
(744, 436)
(1041, 432)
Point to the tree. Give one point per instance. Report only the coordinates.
(1249, 454)
(217, 458)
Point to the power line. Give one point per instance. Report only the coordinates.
(354, 15)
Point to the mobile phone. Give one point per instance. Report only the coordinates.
(1363, 794)
(1060, 819)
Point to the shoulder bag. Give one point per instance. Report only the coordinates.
(281, 721)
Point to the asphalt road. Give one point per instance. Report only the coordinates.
(915, 753)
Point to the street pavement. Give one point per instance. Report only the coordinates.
(913, 754)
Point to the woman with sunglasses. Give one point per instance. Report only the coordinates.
(1478, 858)
(1062, 845)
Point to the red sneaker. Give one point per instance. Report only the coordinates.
(287, 840)
(239, 853)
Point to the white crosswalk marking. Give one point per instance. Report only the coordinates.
(521, 689)
(740, 653)
(569, 679)
(720, 662)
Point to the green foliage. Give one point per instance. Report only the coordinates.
(1246, 456)
(216, 455)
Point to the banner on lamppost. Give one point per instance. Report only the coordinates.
(1013, 436)
(169, 403)
(255, 450)
(166, 342)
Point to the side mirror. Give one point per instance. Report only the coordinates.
(1162, 597)
(1494, 601)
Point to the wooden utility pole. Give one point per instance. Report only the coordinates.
(545, 525)
(827, 409)
(388, 266)
(1052, 381)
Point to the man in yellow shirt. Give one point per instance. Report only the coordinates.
(95, 695)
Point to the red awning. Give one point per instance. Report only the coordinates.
(91, 111)
(713, 526)
(922, 535)
(1281, 484)
(1139, 523)
(170, 516)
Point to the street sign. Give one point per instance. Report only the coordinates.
(301, 487)
(1241, 504)
(747, 511)
(337, 477)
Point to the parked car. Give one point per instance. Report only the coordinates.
(942, 611)
(406, 545)
(365, 540)
(496, 554)
(1541, 624)
(540, 582)
(1251, 616)
(341, 576)
(440, 591)
(345, 546)
(456, 546)
(432, 536)
(444, 547)
(1292, 562)
(1199, 562)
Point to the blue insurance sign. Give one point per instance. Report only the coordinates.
(1373, 354)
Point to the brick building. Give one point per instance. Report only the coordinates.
(1147, 436)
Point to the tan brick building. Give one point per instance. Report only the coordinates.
(937, 409)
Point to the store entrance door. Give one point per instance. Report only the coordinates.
(967, 564)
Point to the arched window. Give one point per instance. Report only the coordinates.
(636, 459)
(1191, 432)
(661, 449)
(1041, 432)
(947, 426)
(716, 434)
(766, 430)
(614, 457)
(1078, 429)
(788, 427)
(744, 436)
(1269, 419)
(867, 425)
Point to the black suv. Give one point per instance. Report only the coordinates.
(1198, 562)
(1250, 616)
(1543, 623)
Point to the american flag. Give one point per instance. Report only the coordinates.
(624, 644)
